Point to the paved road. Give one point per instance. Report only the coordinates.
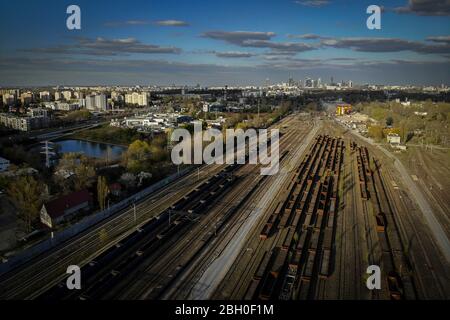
(216, 271)
(430, 217)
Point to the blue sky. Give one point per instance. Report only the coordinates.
(223, 42)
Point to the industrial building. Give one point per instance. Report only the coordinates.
(343, 109)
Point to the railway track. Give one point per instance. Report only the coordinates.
(164, 272)
(388, 251)
(300, 231)
(106, 270)
(291, 260)
(90, 261)
(429, 284)
(183, 289)
(44, 271)
(152, 282)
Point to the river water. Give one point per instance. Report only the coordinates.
(91, 149)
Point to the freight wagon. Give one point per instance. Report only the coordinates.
(249, 295)
(325, 264)
(278, 263)
(308, 270)
(262, 266)
(313, 243)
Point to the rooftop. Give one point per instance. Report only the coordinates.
(57, 207)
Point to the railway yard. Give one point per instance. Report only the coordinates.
(336, 207)
(344, 210)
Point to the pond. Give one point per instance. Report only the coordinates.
(91, 149)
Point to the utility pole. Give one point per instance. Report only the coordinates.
(48, 151)
(169, 141)
(134, 210)
(259, 101)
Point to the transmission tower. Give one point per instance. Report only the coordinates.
(48, 151)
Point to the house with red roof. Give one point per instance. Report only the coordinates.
(115, 189)
(61, 209)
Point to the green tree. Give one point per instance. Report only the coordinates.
(80, 115)
(102, 192)
(376, 132)
(137, 157)
(84, 177)
(389, 121)
(79, 165)
(25, 193)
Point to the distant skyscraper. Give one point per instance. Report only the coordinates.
(291, 82)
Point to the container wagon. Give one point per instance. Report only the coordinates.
(325, 264)
(268, 287)
(287, 241)
(251, 290)
(262, 266)
(284, 219)
(395, 286)
(307, 273)
(313, 243)
(278, 263)
(302, 241)
(265, 232)
(327, 242)
(381, 222)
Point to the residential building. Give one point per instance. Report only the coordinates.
(62, 106)
(45, 96)
(116, 96)
(140, 99)
(79, 95)
(393, 138)
(67, 95)
(4, 164)
(96, 102)
(64, 208)
(26, 98)
(37, 112)
(90, 102)
(100, 102)
(9, 99)
(27, 123)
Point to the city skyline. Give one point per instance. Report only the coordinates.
(234, 43)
